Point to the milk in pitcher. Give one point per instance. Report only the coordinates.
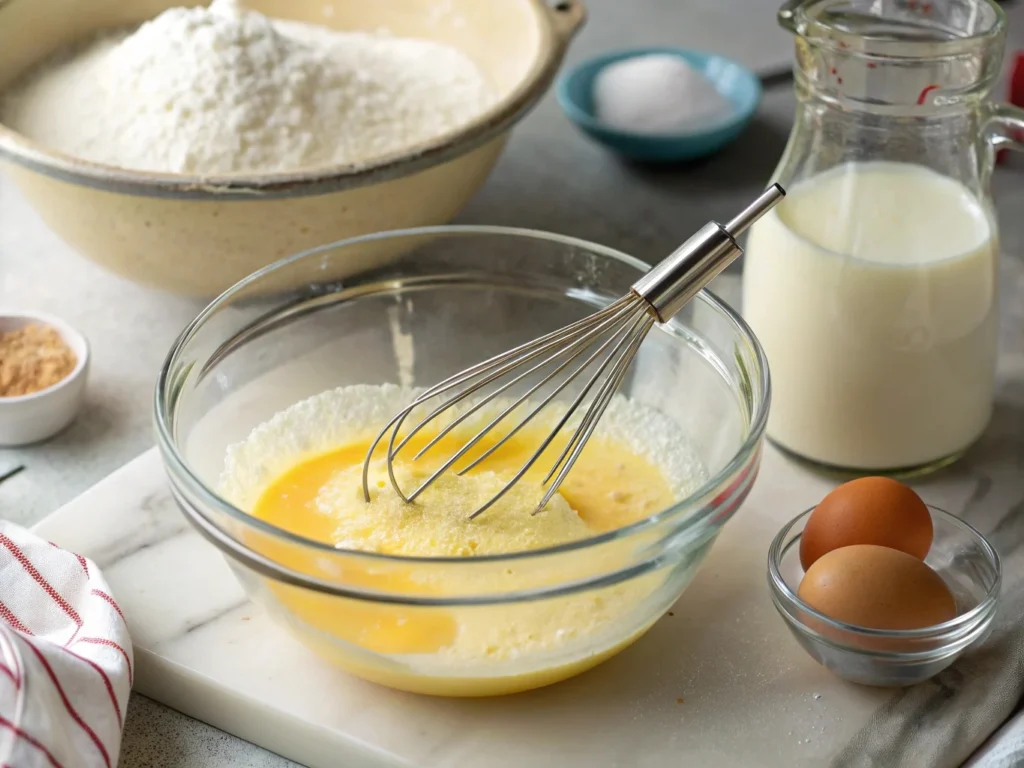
(873, 290)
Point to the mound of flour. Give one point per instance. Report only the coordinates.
(224, 90)
(355, 413)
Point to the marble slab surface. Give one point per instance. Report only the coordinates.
(718, 681)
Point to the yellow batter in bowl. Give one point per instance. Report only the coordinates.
(312, 487)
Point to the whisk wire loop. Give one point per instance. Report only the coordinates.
(596, 410)
(562, 421)
(546, 401)
(579, 342)
(499, 363)
(571, 353)
(497, 367)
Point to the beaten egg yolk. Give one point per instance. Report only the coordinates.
(321, 498)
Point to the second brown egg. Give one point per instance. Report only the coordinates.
(877, 587)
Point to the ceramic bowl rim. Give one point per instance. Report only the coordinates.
(785, 598)
(701, 511)
(585, 118)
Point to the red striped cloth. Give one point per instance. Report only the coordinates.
(65, 658)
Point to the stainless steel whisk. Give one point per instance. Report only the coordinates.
(618, 331)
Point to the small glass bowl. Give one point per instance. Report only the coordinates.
(894, 658)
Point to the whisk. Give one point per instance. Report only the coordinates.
(560, 358)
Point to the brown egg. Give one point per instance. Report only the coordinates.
(870, 510)
(877, 587)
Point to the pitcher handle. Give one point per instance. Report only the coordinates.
(1003, 129)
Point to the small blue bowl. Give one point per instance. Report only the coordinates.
(734, 81)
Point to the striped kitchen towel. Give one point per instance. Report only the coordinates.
(65, 658)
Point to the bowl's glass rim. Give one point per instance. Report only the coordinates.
(783, 592)
(696, 502)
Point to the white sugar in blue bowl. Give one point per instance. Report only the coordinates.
(662, 104)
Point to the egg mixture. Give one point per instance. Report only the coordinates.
(302, 472)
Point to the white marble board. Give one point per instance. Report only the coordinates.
(719, 681)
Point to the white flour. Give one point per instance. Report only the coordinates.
(223, 90)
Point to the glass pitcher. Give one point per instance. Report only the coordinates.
(873, 285)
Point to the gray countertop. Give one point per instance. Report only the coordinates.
(550, 178)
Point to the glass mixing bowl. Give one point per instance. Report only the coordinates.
(411, 308)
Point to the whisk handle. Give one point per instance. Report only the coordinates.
(672, 283)
(676, 280)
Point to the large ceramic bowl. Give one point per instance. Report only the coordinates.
(412, 308)
(199, 235)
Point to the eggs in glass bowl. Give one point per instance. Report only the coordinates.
(893, 590)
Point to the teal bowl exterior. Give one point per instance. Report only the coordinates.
(740, 86)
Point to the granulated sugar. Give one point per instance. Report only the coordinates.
(658, 93)
(224, 90)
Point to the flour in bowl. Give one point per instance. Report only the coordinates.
(351, 414)
(222, 90)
